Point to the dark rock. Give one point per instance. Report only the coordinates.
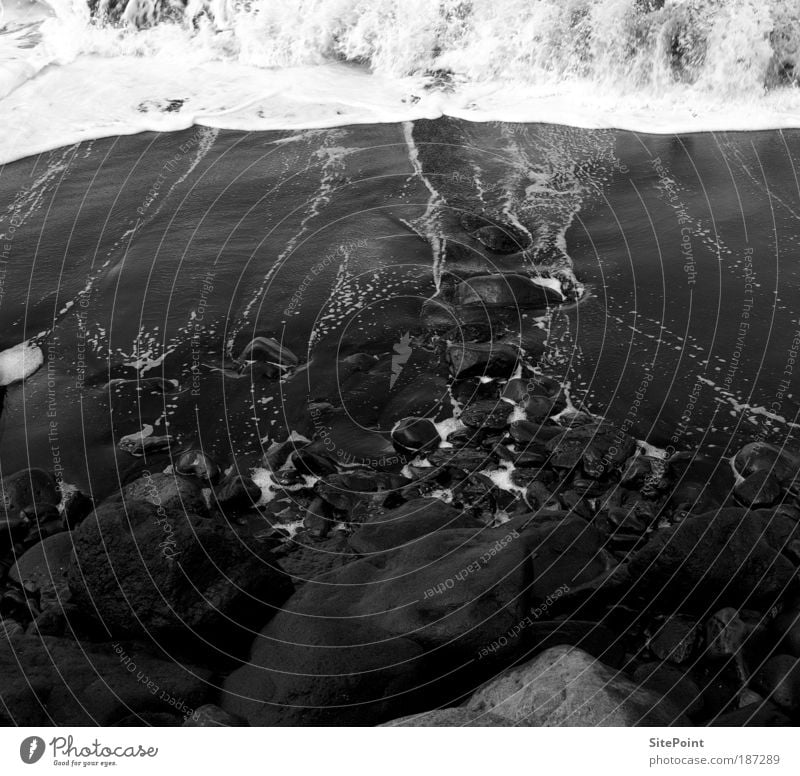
(346, 491)
(409, 523)
(505, 290)
(486, 414)
(781, 462)
(758, 714)
(525, 431)
(237, 493)
(170, 491)
(304, 560)
(209, 715)
(391, 608)
(786, 627)
(730, 557)
(759, 489)
(565, 686)
(171, 574)
(62, 682)
(476, 359)
(195, 463)
(725, 634)
(778, 680)
(675, 686)
(267, 350)
(45, 566)
(76, 507)
(675, 639)
(415, 436)
(314, 464)
(498, 240)
(318, 520)
(27, 488)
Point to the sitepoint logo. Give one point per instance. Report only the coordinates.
(31, 749)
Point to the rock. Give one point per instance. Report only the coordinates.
(77, 505)
(725, 634)
(478, 359)
(169, 574)
(313, 464)
(444, 597)
(19, 362)
(237, 493)
(349, 490)
(755, 715)
(505, 290)
(782, 463)
(209, 715)
(675, 639)
(787, 628)
(675, 686)
(778, 680)
(168, 491)
(759, 489)
(267, 350)
(410, 523)
(565, 686)
(600, 447)
(415, 436)
(492, 415)
(526, 431)
(450, 718)
(27, 488)
(498, 240)
(144, 443)
(93, 684)
(45, 565)
(684, 564)
(304, 560)
(195, 463)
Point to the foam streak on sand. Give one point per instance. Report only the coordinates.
(668, 67)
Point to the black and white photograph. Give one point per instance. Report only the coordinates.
(400, 364)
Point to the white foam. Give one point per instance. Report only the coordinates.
(20, 362)
(687, 67)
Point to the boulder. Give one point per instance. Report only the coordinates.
(675, 686)
(781, 462)
(759, 489)
(170, 491)
(27, 488)
(778, 680)
(506, 290)
(45, 566)
(600, 447)
(415, 436)
(727, 557)
(566, 687)
(54, 681)
(148, 570)
(409, 523)
(482, 359)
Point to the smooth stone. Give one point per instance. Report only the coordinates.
(416, 436)
(498, 240)
(565, 686)
(478, 359)
(237, 492)
(308, 462)
(778, 680)
(675, 639)
(759, 489)
(725, 633)
(409, 523)
(674, 685)
(525, 431)
(266, 349)
(505, 290)
(782, 463)
(195, 463)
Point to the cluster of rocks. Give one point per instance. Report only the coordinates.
(507, 560)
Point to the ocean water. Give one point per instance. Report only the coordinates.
(181, 178)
